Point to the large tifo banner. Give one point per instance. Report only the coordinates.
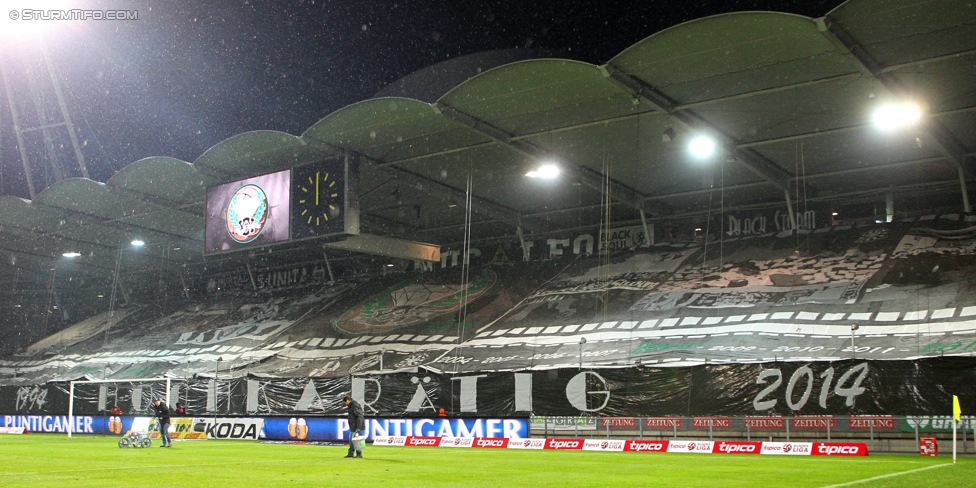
(849, 387)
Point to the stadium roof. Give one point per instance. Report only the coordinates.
(788, 97)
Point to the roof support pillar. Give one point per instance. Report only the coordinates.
(328, 266)
(648, 238)
(889, 206)
(526, 246)
(965, 193)
(250, 274)
(789, 209)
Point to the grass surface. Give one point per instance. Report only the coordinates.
(56, 461)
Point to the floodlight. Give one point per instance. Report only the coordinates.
(702, 147)
(138, 242)
(892, 116)
(71, 254)
(547, 171)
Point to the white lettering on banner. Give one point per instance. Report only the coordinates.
(526, 443)
(646, 446)
(49, 423)
(613, 240)
(447, 441)
(527, 250)
(390, 441)
(939, 422)
(452, 256)
(738, 447)
(819, 422)
(585, 242)
(270, 279)
(620, 422)
(491, 442)
(257, 331)
(868, 422)
(787, 448)
(30, 398)
(662, 422)
(746, 226)
(694, 446)
(556, 246)
(469, 392)
(422, 441)
(711, 422)
(563, 423)
(828, 450)
(310, 396)
(765, 422)
(839, 449)
(578, 395)
(439, 427)
(242, 429)
(421, 400)
(756, 225)
(623, 238)
(841, 389)
(603, 445)
(564, 444)
(359, 392)
(418, 426)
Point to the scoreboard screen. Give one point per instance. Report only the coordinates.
(248, 213)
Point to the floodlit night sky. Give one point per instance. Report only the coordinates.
(183, 77)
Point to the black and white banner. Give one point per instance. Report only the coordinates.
(850, 387)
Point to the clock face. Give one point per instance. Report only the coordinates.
(317, 200)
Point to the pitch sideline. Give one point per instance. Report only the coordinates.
(883, 476)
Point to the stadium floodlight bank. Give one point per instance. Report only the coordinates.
(71, 392)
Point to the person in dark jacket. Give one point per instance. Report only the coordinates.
(162, 413)
(357, 426)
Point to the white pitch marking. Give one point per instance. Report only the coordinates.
(891, 475)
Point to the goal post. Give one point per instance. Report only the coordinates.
(71, 392)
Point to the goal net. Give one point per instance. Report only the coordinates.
(132, 396)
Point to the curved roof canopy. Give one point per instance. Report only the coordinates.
(788, 98)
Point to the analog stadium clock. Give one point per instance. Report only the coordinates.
(318, 199)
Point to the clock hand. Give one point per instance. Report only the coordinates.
(317, 187)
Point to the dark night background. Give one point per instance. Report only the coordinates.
(186, 75)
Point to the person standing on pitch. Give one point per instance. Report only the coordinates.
(162, 413)
(357, 426)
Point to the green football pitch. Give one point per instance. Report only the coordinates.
(56, 461)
